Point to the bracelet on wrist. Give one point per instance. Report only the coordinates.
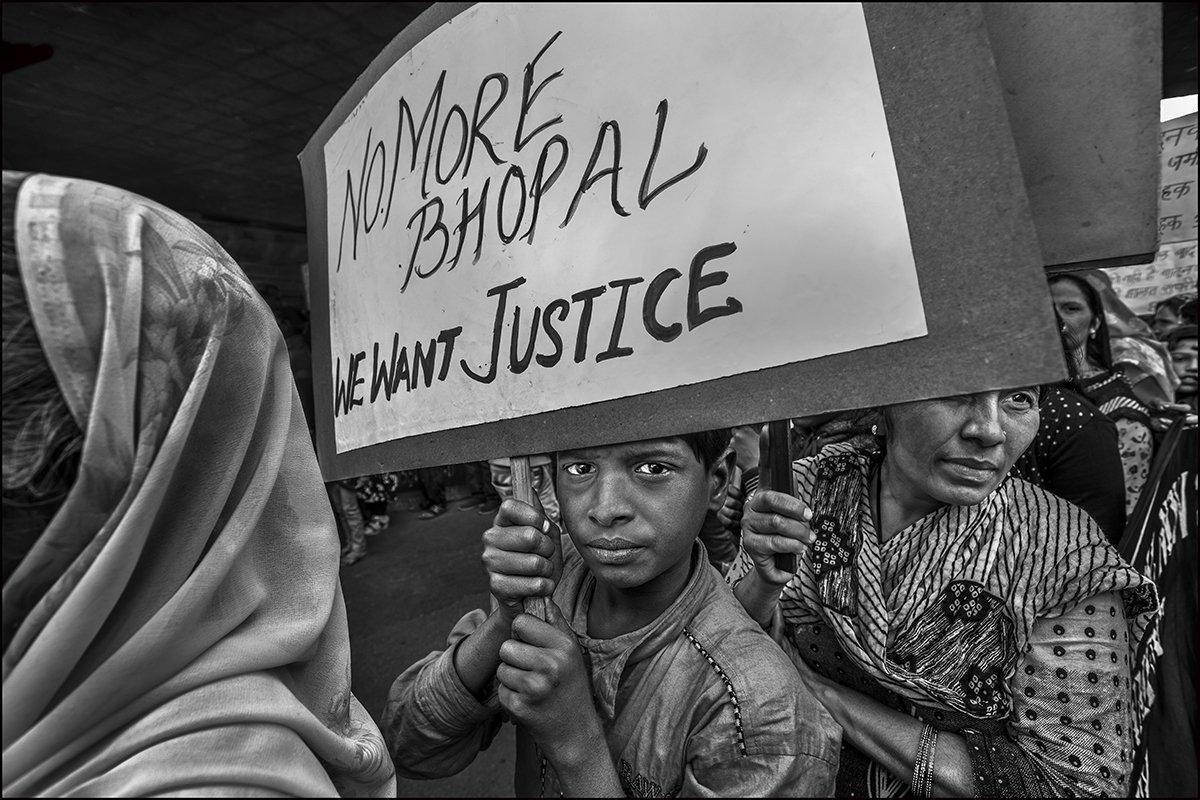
(923, 765)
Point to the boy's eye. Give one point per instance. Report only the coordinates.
(579, 469)
(652, 468)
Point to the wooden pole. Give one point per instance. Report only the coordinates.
(775, 473)
(522, 486)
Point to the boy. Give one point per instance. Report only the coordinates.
(649, 679)
(1182, 344)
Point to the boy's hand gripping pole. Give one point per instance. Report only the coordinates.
(522, 486)
(775, 473)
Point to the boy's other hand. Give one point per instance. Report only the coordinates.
(775, 522)
(544, 686)
(521, 555)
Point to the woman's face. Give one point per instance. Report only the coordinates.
(956, 450)
(1072, 307)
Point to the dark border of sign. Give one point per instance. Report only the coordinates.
(979, 267)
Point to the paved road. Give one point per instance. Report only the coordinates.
(417, 579)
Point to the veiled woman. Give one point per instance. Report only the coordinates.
(173, 621)
(970, 632)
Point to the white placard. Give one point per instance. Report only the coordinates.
(1177, 195)
(752, 218)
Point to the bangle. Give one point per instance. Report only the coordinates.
(918, 777)
(922, 774)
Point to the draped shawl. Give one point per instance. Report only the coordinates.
(957, 591)
(179, 626)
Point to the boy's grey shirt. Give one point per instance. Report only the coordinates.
(699, 702)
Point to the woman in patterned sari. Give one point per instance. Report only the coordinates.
(1081, 310)
(173, 621)
(971, 633)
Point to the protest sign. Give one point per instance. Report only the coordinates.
(540, 226)
(1177, 192)
(1081, 86)
(1173, 270)
(1143, 286)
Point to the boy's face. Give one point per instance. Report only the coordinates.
(1183, 357)
(633, 510)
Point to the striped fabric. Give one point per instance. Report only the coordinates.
(939, 613)
(1115, 398)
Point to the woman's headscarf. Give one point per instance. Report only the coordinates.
(1098, 349)
(179, 626)
(1130, 340)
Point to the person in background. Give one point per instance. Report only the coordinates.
(1081, 313)
(1187, 312)
(173, 621)
(1135, 351)
(479, 482)
(433, 487)
(375, 493)
(541, 474)
(971, 633)
(345, 503)
(1167, 316)
(362, 503)
(1076, 456)
(1182, 344)
(1076, 452)
(743, 440)
(1160, 542)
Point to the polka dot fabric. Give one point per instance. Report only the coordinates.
(1076, 455)
(1071, 707)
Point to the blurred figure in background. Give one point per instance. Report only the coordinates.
(1167, 315)
(1182, 344)
(349, 512)
(433, 488)
(375, 493)
(541, 473)
(1136, 352)
(362, 503)
(172, 616)
(1076, 453)
(1081, 312)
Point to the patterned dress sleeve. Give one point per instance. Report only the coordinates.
(1069, 731)
(1137, 450)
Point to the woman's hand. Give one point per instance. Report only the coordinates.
(775, 522)
(822, 688)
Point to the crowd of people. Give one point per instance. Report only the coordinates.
(993, 593)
